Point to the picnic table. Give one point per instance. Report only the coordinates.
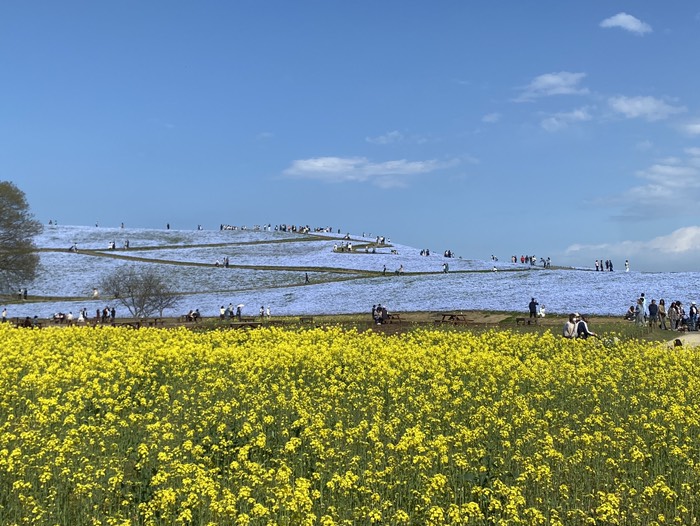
(245, 324)
(395, 318)
(453, 318)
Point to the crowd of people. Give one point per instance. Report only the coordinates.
(608, 264)
(658, 315)
(231, 311)
(104, 315)
(530, 260)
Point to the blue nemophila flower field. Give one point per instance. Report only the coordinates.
(270, 267)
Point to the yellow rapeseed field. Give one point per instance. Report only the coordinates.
(112, 426)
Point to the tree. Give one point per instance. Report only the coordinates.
(19, 259)
(143, 291)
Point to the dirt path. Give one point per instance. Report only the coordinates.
(688, 339)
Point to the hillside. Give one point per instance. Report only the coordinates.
(270, 267)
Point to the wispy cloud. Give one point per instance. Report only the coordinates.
(671, 187)
(680, 241)
(561, 83)
(387, 138)
(360, 170)
(396, 137)
(628, 23)
(692, 128)
(679, 249)
(264, 136)
(649, 108)
(559, 121)
(491, 118)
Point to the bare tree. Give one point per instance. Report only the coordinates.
(143, 291)
(19, 259)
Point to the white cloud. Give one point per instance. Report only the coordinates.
(561, 83)
(395, 137)
(685, 240)
(491, 118)
(560, 121)
(387, 138)
(672, 175)
(693, 128)
(359, 169)
(649, 108)
(671, 188)
(628, 23)
(679, 249)
(693, 152)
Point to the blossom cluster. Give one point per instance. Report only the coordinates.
(114, 426)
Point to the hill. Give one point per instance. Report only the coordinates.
(269, 267)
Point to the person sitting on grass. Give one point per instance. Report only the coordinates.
(582, 330)
(570, 327)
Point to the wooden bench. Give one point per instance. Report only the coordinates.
(129, 324)
(245, 325)
(27, 323)
(526, 321)
(395, 318)
(454, 319)
(306, 319)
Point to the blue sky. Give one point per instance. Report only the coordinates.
(568, 130)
